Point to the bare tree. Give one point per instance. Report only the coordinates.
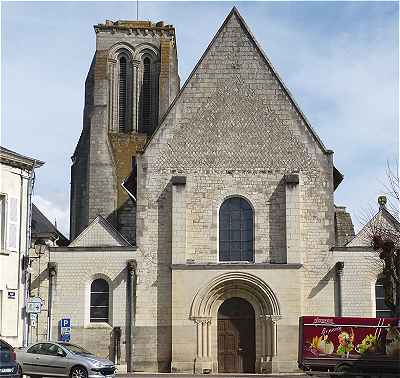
(384, 238)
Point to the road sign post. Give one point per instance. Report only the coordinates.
(34, 305)
(65, 329)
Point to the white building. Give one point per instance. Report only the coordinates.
(16, 183)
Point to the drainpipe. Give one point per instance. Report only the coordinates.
(131, 304)
(339, 275)
(52, 270)
(26, 276)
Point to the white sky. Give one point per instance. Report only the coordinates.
(339, 60)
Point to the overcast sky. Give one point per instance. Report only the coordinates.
(340, 61)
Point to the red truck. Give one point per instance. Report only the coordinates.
(349, 345)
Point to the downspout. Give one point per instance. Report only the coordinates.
(21, 272)
(131, 304)
(339, 275)
(30, 186)
(50, 289)
(52, 270)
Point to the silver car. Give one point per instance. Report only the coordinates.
(57, 359)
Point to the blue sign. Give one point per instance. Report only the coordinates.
(66, 323)
(11, 295)
(65, 329)
(66, 338)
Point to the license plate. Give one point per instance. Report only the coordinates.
(9, 370)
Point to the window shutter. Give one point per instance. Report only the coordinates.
(13, 222)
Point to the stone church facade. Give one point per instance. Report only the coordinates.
(203, 221)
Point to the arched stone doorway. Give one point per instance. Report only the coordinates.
(205, 313)
(236, 337)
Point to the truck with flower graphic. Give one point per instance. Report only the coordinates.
(347, 344)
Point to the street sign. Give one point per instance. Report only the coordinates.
(65, 329)
(11, 295)
(34, 305)
(66, 323)
(33, 318)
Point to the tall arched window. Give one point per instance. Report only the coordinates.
(99, 301)
(236, 230)
(382, 310)
(147, 94)
(123, 95)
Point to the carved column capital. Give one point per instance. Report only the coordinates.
(131, 265)
(135, 63)
(202, 320)
(272, 318)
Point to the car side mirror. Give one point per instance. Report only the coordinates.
(60, 353)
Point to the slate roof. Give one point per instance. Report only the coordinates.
(41, 227)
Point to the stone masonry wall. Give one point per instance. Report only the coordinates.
(96, 173)
(360, 272)
(76, 271)
(233, 130)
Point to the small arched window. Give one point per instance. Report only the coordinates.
(382, 310)
(99, 301)
(236, 230)
(123, 95)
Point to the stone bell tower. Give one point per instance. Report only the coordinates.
(131, 82)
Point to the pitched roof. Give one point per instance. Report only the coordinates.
(15, 159)
(338, 177)
(99, 233)
(41, 227)
(383, 220)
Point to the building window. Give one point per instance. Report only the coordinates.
(382, 310)
(3, 222)
(123, 94)
(99, 301)
(146, 94)
(236, 241)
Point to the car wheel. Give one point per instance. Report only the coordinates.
(19, 371)
(78, 372)
(343, 369)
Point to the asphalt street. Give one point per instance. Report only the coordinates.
(166, 375)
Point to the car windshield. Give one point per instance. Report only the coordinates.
(76, 349)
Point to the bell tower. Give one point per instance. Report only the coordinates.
(131, 82)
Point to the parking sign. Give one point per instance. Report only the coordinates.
(66, 323)
(65, 329)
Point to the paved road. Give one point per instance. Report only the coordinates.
(294, 375)
(166, 375)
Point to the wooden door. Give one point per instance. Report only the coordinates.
(236, 337)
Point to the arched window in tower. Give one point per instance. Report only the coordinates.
(236, 230)
(146, 115)
(99, 301)
(123, 95)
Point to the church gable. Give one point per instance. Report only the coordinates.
(100, 233)
(235, 112)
